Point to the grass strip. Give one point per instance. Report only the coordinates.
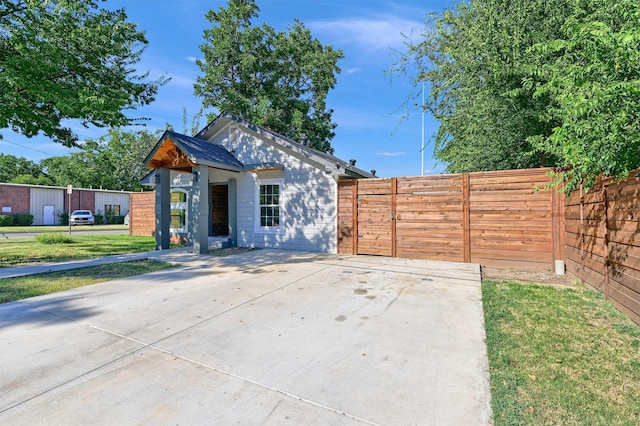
(560, 357)
(59, 228)
(35, 285)
(22, 251)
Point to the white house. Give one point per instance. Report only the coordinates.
(250, 184)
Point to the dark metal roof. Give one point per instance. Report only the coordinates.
(200, 151)
(204, 151)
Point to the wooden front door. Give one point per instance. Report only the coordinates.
(375, 217)
(219, 210)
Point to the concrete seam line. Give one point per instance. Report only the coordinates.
(262, 385)
(59, 385)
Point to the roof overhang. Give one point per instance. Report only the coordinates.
(171, 153)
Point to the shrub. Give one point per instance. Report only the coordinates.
(6, 220)
(23, 220)
(63, 217)
(99, 218)
(113, 219)
(56, 238)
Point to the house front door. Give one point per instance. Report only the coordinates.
(219, 210)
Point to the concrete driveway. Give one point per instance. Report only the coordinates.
(265, 337)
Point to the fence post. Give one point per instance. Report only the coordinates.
(605, 203)
(582, 255)
(466, 217)
(354, 216)
(394, 190)
(557, 231)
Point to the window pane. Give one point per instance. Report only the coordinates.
(178, 197)
(177, 220)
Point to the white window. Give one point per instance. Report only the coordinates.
(269, 205)
(178, 200)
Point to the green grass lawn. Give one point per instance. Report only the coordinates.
(48, 229)
(35, 285)
(22, 251)
(560, 357)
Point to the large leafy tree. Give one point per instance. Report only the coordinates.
(279, 80)
(21, 170)
(592, 77)
(473, 59)
(518, 83)
(113, 162)
(68, 59)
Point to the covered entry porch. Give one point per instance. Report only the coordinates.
(199, 202)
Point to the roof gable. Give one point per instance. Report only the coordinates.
(332, 164)
(181, 152)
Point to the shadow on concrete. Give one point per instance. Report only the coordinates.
(50, 311)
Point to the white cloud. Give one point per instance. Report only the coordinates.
(382, 33)
(391, 154)
(181, 81)
(191, 59)
(350, 71)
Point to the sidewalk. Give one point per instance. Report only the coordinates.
(41, 268)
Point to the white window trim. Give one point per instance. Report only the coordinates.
(269, 229)
(180, 206)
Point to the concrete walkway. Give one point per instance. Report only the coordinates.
(264, 337)
(41, 268)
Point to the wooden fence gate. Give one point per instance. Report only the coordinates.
(502, 219)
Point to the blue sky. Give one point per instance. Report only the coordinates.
(367, 103)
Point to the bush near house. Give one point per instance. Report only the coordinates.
(63, 218)
(113, 219)
(99, 218)
(23, 220)
(16, 220)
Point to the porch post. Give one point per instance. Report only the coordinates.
(199, 209)
(233, 212)
(163, 210)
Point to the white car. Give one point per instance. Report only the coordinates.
(81, 217)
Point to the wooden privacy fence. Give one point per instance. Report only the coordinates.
(142, 213)
(501, 219)
(603, 240)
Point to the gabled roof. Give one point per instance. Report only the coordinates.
(332, 164)
(181, 152)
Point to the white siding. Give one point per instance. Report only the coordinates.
(40, 197)
(112, 198)
(309, 199)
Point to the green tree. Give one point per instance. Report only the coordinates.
(473, 59)
(279, 80)
(592, 77)
(20, 170)
(112, 162)
(68, 59)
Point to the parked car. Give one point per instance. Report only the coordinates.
(81, 217)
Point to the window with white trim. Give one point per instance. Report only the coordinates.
(269, 205)
(178, 206)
